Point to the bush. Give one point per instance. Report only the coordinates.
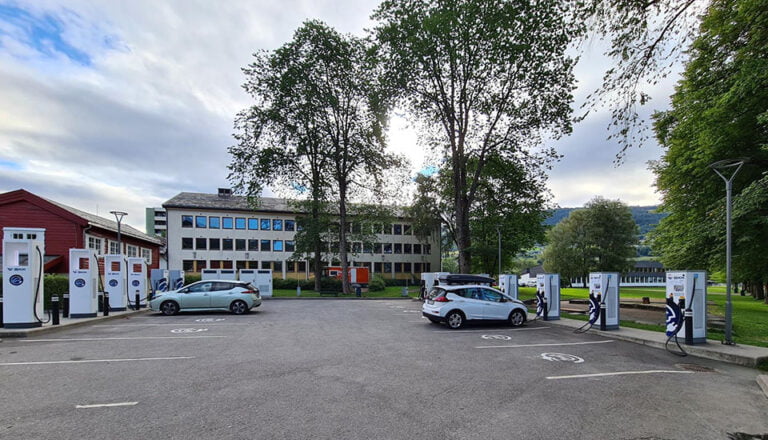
(377, 284)
(190, 278)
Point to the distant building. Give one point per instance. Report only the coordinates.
(223, 231)
(643, 274)
(67, 228)
(155, 220)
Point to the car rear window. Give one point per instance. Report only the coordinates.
(435, 292)
(247, 286)
(222, 286)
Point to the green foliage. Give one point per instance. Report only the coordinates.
(485, 79)
(718, 112)
(376, 284)
(600, 237)
(190, 278)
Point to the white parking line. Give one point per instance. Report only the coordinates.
(90, 361)
(156, 325)
(119, 339)
(448, 332)
(544, 345)
(619, 373)
(105, 405)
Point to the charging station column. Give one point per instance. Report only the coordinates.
(508, 285)
(159, 280)
(115, 273)
(549, 284)
(23, 263)
(606, 284)
(137, 279)
(691, 286)
(83, 273)
(177, 279)
(210, 274)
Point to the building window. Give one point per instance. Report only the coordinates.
(277, 245)
(201, 221)
(239, 223)
(226, 264)
(407, 267)
(253, 224)
(188, 265)
(214, 244)
(266, 224)
(215, 265)
(132, 251)
(226, 244)
(427, 249)
(94, 244)
(253, 245)
(266, 245)
(398, 248)
(398, 267)
(200, 244)
(387, 248)
(302, 266)
(277, 225)
(290, 266)
(357, 247)
(239, 264)
(377, 248)
(417, 249)
(407, 248)
(290, 225)
(186, 242)
(290, 245)
(240, 244)
(368, 248)
(114, 247)
(146, 254)
(378, 267)
(186, 221)
(226, 222)
(214, 222)
(406, 229)
(398, 229)
(387, 267)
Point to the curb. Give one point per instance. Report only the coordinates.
(762, 380)
(23, 333)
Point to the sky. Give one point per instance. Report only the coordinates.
(113, 105)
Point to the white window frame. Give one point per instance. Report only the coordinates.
(129, 248)
(146, 254)
(100, 241)
(112, 242)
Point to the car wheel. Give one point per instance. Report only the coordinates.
(454, 319)
(169, 308)
(238, 307)
(516, 318)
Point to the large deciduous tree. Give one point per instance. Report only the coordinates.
(485, 78)
(719, 111)
(600, 237)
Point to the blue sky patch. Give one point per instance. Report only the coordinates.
(10, 165)
(43, 33)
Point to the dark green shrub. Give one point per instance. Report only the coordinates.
(190, 278)
(376, 284)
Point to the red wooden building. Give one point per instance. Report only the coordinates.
(67, 227)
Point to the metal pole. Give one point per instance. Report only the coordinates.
(728, 164)
(498, 231)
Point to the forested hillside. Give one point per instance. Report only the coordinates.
(646, 217)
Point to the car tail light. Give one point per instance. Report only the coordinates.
(441, 299)
(252, 292)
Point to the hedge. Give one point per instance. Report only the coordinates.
(52, 285)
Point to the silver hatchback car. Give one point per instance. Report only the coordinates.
(237, 297)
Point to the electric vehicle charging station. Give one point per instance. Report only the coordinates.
(548, 284)
(261, 278)
(227, 274)
(606, 284)
(23, 263)
(691, 287)
(137, 280)
(159, 280)
(209, 274)
(176, 277)
(83, 284)
(115, 281)
(508, 285)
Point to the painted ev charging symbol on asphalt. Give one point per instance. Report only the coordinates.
(562, 357)
(497, 337)
(210, 319)
(189, 330)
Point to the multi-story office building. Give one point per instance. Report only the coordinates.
(223, 231)
(156, 223)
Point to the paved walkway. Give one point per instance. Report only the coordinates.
(64, 324)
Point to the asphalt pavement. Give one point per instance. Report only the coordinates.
(334, 369)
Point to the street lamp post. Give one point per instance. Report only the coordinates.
(722, 167)
(498, 232)
(119, 216)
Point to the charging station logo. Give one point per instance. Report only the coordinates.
(113, 283)
(79, 282)
(135, 283)
(16, 280)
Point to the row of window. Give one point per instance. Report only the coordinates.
(253, 224)
(97, 245)
(299, 266)
(238, 244)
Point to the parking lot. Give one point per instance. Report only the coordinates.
(346, 369)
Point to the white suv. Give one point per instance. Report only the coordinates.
(455, 305)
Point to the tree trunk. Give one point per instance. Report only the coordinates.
(463, 240)
(343, 237)
(318, 245)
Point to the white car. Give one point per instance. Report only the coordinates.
(455, 305)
